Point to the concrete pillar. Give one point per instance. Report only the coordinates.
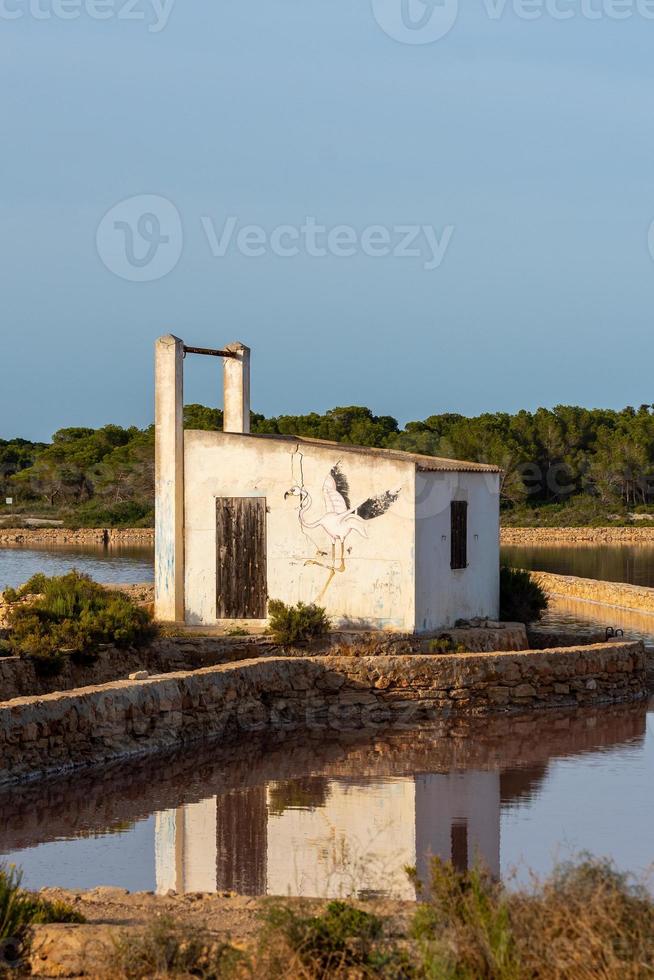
(169, 480)
(236, 380)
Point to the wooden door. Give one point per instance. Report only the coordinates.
(241, 586)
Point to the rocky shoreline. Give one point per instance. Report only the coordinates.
(144, 536)
(112, 537)
(576, 535)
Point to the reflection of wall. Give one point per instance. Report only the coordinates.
(357, 843)
(185, 848)
(354, 839)
(458, 819)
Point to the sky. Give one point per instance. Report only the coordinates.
(419, 207)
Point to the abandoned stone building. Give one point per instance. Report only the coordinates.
(382, 539)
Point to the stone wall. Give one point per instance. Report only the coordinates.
(20, 678)
(285, 695)
(111, 537)
(576, 535)
(635, 597)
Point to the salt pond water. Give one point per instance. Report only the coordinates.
(17, 564)
(343, 817)
(613, 563)
(633, 563)
(331, 818)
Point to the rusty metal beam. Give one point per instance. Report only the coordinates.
(209, 352)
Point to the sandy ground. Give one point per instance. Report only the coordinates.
(110, 913)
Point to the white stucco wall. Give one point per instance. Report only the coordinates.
(377, 589)
(443, 594)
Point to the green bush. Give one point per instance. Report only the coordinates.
(343, 937)
(521, 599)
(128, 513)
(73, 614)
(296, 624)
(445, 644)
(18, 911)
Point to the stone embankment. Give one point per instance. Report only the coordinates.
(144, 536)
(285, 695)
(112, 537)
(636, 597)
(20, 677)
(576, 535)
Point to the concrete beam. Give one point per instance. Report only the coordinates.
(236, 381)
(169, 479)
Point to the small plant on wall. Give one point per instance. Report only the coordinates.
(521, 599)
(297, 624)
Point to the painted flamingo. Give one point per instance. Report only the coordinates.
(340, 518)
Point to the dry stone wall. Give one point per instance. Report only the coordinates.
(20, 677)
(112, 536)
(636, 597)
(577, 535)
(40, 736)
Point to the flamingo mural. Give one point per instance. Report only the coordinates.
(339, 519)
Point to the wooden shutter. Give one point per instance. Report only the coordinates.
(241, 580)
(459, 533)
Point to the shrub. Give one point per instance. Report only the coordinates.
(127, 513)
(73, 614)
(18, 911)
(445, 644)
(296, 624)
(341, 939)
(521, 599)
(463, 930)
(168, 949)
(586, 921)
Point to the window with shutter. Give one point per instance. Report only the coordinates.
(459, 533)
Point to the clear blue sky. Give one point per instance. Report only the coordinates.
(533, 139)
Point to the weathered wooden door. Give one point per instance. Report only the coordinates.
(241, 586)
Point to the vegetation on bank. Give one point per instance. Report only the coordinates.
(19, 911)
(567, 466)
(586, 922)
(296, 624)
(522, 600)
(71, 614)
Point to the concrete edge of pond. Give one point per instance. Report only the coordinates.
(62, 731)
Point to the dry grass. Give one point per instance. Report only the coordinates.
(585, 922)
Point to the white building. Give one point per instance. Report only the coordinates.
(382, 539)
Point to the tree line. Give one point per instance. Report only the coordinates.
(581, 463)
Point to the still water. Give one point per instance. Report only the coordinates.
(613, 563)
(124, 565)
(344, 817)
(633, 563)
(331, 817)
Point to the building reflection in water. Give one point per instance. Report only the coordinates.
(315, 817)
(330, 837)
